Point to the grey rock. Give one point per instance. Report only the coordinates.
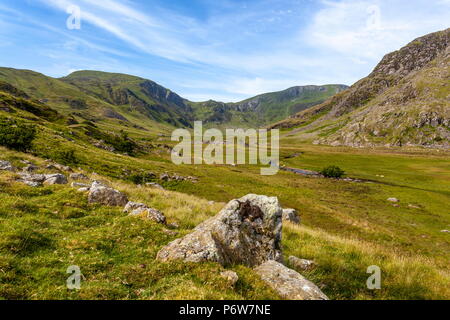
(150, 213)
(30, 168)
(6, 165)
(288, 283)
(78, 176)
(55, 178)
(291, 215)
(301, 264)
(155, 185)
(131, 206)
(79, 185)
(84, 189)
(395, 200)
(99, 193)
(247, 231)
(32, 180)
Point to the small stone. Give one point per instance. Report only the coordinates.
(291, 215)
(395, 200)
(230, 276)
(78, 176)
(131, 206)
(99, 193)
(445, 231)
(288, 283)
(155, 185)
(56, 178)
(83, 189)
(79, 185)
(301, 264)
(6, 165)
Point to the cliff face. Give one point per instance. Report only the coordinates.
(404, 101)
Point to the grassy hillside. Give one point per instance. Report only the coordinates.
(346, 226)
(264, 109)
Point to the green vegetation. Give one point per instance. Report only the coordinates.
(16, 135)
(332, 172)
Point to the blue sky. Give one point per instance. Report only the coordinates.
(226, 50)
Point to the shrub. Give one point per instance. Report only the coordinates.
(332, 172)
(65, 157)
(16, 135)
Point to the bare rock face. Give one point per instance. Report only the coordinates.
(291, 215)
(99, 193)
(247, 231)
(6, 165)
(288, 283)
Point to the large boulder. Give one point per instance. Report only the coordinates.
(291, 215)
(247, 231)
(288, 283)
(99, 193)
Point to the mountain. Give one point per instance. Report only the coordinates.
(404, 101)
(101, 96)
(266, 108)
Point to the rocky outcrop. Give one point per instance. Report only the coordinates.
(403, 102)
(288, 283)
(291, 215)
(99, 193)
(247, 231)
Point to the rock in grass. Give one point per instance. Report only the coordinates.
(230, 276)
(394, 200)
(288, 283)
(6, 166)
(32, 180)
(301, 264)
(78, 176)
(56, 178)
(99, 193)
(247, 231)
(155, 185)
(291, 215)
(140, 209)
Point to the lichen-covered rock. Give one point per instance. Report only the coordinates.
(6, 165)
(140, 209)
(288, 283)
(56, 178)
(99, 193)
(291, 215)
(247, 231)
(301, 264)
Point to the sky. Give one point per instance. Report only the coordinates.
(226, 50)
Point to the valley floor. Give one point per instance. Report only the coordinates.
(346, 227)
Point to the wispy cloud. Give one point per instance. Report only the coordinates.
(237, 49)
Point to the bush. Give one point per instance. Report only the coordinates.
(332, 172)
(16, 135)
(65, 157)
